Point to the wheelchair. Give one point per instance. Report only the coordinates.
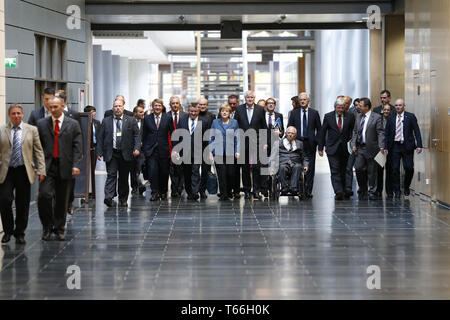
(275, 185)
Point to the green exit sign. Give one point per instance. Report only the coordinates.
(10, 62)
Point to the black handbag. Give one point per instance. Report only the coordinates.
(211, 182)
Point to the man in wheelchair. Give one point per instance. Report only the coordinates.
(293, 161)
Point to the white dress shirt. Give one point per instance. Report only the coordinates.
(190, 124)
(61, 119)
(287, 144)
(365, 126)
(271, 116)
(115, 129)
(156, 119)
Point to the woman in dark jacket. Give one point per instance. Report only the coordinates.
(224, 147)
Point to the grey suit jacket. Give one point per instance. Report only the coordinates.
(374, 134)
(69, 141)
(32, 153)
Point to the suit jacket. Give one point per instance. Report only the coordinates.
(296, 156)
(411, 132)
(130, 138)
(184, 124)
(374, 134)
(208, 118)
(126, 112)
(154, 138)
(218, 148)
(258, 122)
(32, 153)
(36, 115)
(97, 125)
(181, 114)
(277, 116)
(313, 129)
(330, 135)
(69, 142)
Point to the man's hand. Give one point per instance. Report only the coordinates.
(99, 158)
(354, 149)
(41, 177)
(305, 169)
(211, 156)
(75, 172)
(383, 151)
(321, 153)
(237, 155)
(174, 154)
(419, 150)
(136, 153)
(266, 146)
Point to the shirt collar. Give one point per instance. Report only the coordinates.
(367, 115)
(61, 118)
(19, 126)
(307, 109)
(115, 117)
(248, 107)
(401, 115)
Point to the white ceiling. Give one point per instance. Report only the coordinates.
(154, 48)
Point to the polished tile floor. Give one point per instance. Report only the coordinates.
(176, 249)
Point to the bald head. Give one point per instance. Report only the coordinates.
(400, 106)
(291, 133)
(348, 102)
(202, 103)
(56, 106)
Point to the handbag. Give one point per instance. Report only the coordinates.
(211, 181)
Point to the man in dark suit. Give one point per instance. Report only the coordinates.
(336, 132)
(274, 122)
(402, 138)
(157, 128)
(307, 122)
(61, 141)
(367, 142)
(207, 118)
(192, 124)
(21, 160)
(387, 111)
(176, 170)
(42, 112)
(118, 143)
(93, 144)
(385, 97)
(137, 186)
(251, 116)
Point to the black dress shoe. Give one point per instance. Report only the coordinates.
(123, 203)
(293, 193)
(71, 210)
(194, 197)
(257, 196)
(60, 237)
(203, 195)
(224, 198)
(6, 237)
(237, 195)
(407, 192)
(284, 192)
(154, 197)
(46, 235)
(308, 196)
(348, 194)
(247, 195)
(20, 240)
(339, 196)
(142, 189)
(174, 194)
(265, 193)
(134, 192)
(109, 203)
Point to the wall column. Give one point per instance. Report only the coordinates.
(395, 55)
(376, 65)
(2, 67)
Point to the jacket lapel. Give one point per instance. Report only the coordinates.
(334, 123)
(63, 126)
(50, 125)
(8, 133)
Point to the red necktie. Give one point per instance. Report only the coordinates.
(55, 146)
(175, 121)
(340, 124)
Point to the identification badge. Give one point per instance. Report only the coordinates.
(118, 134)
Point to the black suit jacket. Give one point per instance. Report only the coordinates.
(181, 114)
(208, 118)
(36, 115)
(69, 143)
(329, 134)
(130, 138)
(313, 129)
(184, 124)
(154, 138)
(258, 122)
(411, 132)
(126, 112)
(277, 116)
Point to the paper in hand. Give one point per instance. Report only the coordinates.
(381, 159)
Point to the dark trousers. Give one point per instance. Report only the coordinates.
(309, 176)
(407, 157)
(176, 177)
(192, 178)
(54, 187)
(204, 176)
(237, 178)
(135, 171)
(93, 164)
(247, 178)
(225, 175)
(158, 172)
(338, 168)
(290, 171)
(366, 172)
(117, 165)
(388, 169)
(72, 192)
(16, 180)
(349, 172)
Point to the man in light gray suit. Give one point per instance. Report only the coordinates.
(367, 141)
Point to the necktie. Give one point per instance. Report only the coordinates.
(249, 114)
(176, 120)
(15, 154)
(94, 139)
(340, 123)
(361, 128)
(157, 122)
(270, 121)
(118, 136)
(56, 146)
(192, 126)
(305, 124)
(399, 129)
(290, 147)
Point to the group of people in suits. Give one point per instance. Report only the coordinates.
(49, 148)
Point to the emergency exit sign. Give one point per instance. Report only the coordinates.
(10, 62)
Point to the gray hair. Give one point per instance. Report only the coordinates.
(339, 102)
(173, 98)
(303, 94)
(12, 106)
(247, 93)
